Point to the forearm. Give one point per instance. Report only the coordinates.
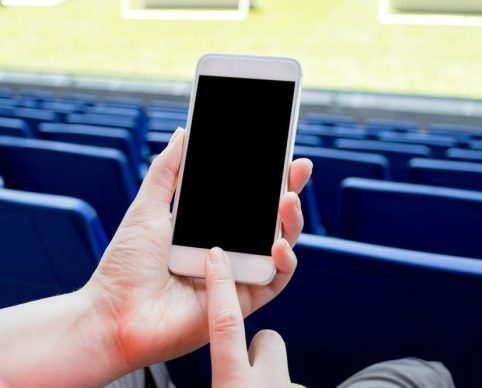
(58, 342)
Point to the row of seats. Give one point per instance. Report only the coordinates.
(367, 304)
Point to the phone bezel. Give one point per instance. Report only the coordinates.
(247, 268)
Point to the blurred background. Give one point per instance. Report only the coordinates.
(341, 44)
(391, 116)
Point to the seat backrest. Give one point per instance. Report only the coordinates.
(100, 176)
(157, 141)
(424, 218)
(464, 132)
(460, 175)
(476, 145)
(33, 117)
(465, 155)
(350, 305)
(116, 138)
(330, 134)
(391, 125)
(330, 168)
(309, 140)
(398, 154)
(437, 144)
(48, 245)
(129, 123)
(14, 127)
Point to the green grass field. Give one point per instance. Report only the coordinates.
(339, 42)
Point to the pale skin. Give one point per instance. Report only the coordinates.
(133, 312)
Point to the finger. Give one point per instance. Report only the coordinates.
(161, 179)
(251, 298)
(268, 351)
(226, 326)
(291, 217)
(300, 172)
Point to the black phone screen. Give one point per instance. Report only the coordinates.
(234, 164)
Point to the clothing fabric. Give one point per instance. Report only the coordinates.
(403, 373)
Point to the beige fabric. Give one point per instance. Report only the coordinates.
(404, 373)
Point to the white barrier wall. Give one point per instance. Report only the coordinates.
(435, 6)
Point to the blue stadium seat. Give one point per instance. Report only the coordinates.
(129, 102)
(438, 144)
(330, 134)
(7, 102)
(78, 97)
(33, 117)
(330, 168)
(62, 108)
(350, 305)
(308, 140)
(129, 123)
(168, 105)
(14, 127)
(6, 92)
(463, 132)
(116, 138)
(311, 210)
(397, 154)
(476, 145)
(49, 245)
(330, 120)
(463, 154)
(377, 125)
(157, 141)
(459, 175)
(99, 176)
(357, 304)
(423, 218)
(134, 113)
(165, 125)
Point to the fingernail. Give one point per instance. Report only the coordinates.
(298, 203)
(175, 134)
(216, 255)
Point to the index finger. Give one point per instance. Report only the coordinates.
(226, 326)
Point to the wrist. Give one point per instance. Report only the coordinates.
(99, 332)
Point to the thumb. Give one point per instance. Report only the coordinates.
(267, 352)
(161, 179)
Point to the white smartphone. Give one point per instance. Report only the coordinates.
(240, 137)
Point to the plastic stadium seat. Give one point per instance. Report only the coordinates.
(157, 141)
(100, 176)
(476, 145)
(129, 123)
(7, 102)
(63, 108)
(14, 127)
(454, 129)
(375, 125)
(330, 168)
(6, 92)
(38, 94)
(49, 245)
(165, 125)
(130, 102)
(350, 305)
(424, 218)
(311, 210)
(33, 117)
(180, 116)
(116, 138)
(330, 134)
(460, 175)
(397, 154)
(116, 111)
(465, 155)
(84, 98)
(438, 144)
(330, 120)
(309, 140)
(169, 105)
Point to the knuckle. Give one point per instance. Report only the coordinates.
(226, 322)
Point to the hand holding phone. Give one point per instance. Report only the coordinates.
(240, 137)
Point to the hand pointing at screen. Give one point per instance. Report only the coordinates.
(133, 312)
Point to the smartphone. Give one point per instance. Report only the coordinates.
(239, 144)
